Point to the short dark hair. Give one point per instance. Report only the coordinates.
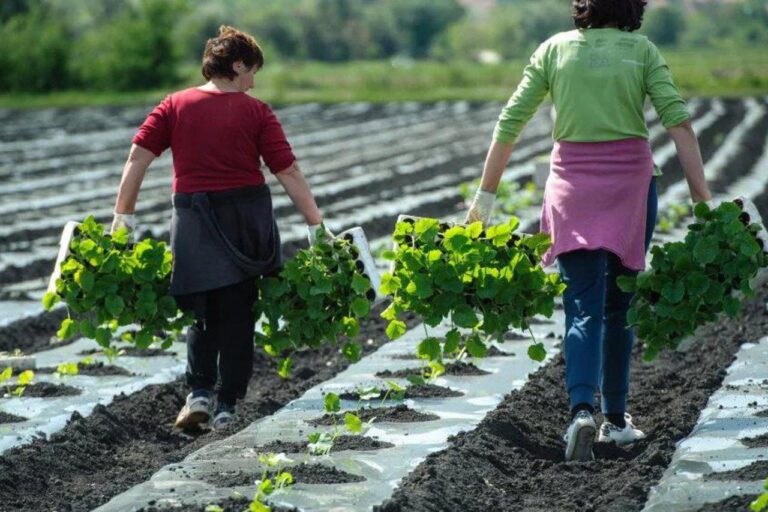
(230, 46)
(626, 14)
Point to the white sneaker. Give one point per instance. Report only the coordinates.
(222, 421)
(610, 433)
(580, 437)
(195, 414)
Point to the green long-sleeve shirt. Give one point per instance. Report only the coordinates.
(598, 80)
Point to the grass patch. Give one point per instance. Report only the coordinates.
(729, 73)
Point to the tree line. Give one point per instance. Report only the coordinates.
(138, 44)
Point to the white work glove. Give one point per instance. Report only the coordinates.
(316, 232)
(124, 220)
(481, 207)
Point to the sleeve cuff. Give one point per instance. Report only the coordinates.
(504, 137)
(281, 166)
(672, 120)
(142, 144)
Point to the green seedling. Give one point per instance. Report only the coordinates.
(484, 280)
(691, 282)
(67, 369)
(319, 296)
(107, 284)
(265, 487)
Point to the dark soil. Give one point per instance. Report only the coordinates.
(132, 352)
(361, 443)
(120, 445)
(49, 390)
(493, 351)
(756, 442)
(513, 460)
(415, 391)
(97, 369)
(302, 473)
(755, 471)
(458, 368)
(398, 414)
(10, 418)
(762, 414)
(33, 334)
(228, 505)
(734, 503)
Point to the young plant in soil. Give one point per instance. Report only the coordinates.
(107, 284)
(318, 296)
(486, 280)
(25, 379)
(265, 486)
(691, 282)
(321, 443)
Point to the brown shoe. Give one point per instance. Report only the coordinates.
(195, 414)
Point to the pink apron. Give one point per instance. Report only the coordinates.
(596, 198)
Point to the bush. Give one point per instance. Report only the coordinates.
(133, 51)
(34, 51)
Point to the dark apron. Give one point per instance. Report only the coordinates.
(220, 239)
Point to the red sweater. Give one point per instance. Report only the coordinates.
(216, 139)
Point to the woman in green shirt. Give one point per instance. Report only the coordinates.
(600, 197)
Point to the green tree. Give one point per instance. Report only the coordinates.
(34, 50)
(665, 25)
(135, 50)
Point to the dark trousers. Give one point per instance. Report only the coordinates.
(220, 346)
(598, 344)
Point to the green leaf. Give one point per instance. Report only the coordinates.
(537, 352)
(332, 403)
(353, 423)
(361, 307)
(67, 329)
(465, 317)
(731, 306)
(476, 347)
(429, 349)
(25, 377)
(674, 291)
(627, 284)
(452, 341)
(395, 329)
(284, 368)
(352, 351)
(103, 336)
(114, 304)
(701, 210)
(49, 300)
(705, 251)
(760, 503)
(360, 284)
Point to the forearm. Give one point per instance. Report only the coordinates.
(689, 154)
(133, 175)
(495, 163)
(298, 190)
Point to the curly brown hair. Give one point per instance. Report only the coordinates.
(230, 46)
(627, 15)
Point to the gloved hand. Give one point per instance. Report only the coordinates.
(124, 220)
(481, 207)
(318, 232)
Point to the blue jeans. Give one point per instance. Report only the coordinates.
(598, 344)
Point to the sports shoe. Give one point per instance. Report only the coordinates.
(580, 437)
(196, 412)
(610, 433)
(224, 417)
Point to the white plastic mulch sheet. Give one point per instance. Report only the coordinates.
(187, 482)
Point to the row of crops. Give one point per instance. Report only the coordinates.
(359, 180)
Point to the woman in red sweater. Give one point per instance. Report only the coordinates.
(223, 233)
